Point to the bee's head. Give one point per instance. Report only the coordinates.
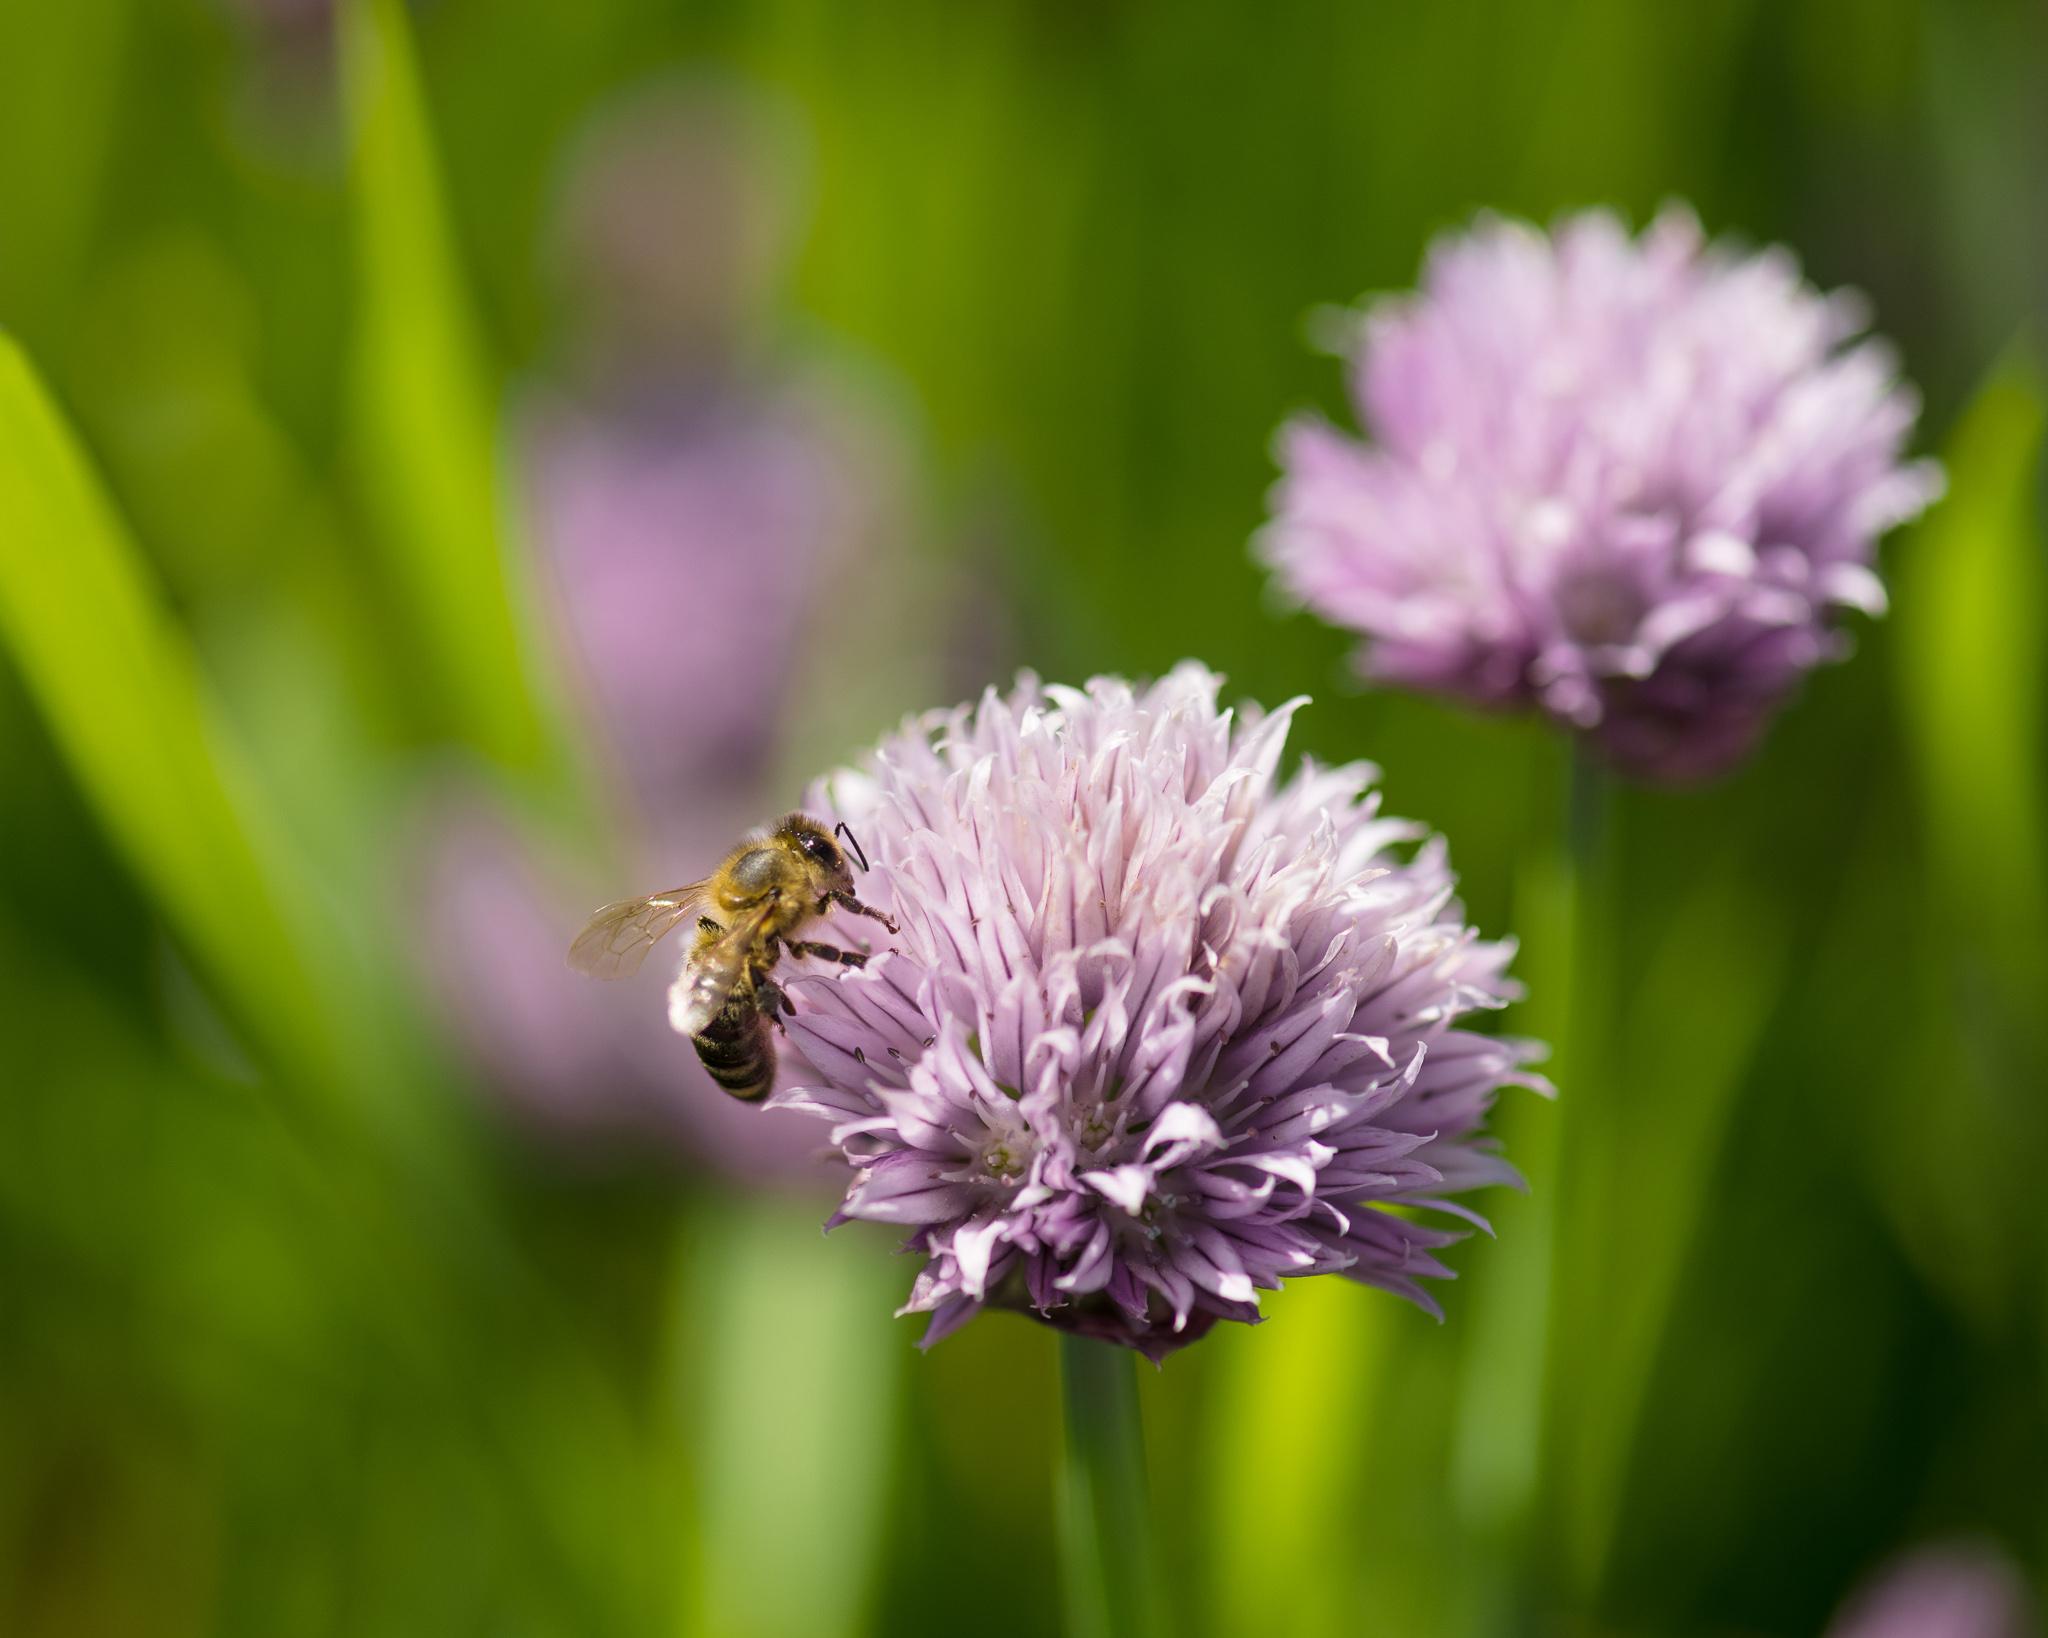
(814, 843)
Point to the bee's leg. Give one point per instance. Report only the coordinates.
(846, 901)
(706, 925)
(827, 952)
(774, 1001)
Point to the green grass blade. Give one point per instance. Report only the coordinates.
(1644, 1189)
(1620, 1174)
(63, 82)
(424, 410)
(1497, 1443)
(1971, 625)
(117, 683)
(1971, 628)
(1286, 1431)
(793, 1429)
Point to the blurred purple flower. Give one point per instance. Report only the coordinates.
(1634, 482)
(1159, 1028)
(284, 103)
(685, 554)
(674, 225)
(696, 516)
(1960, 1590)
(685, 549)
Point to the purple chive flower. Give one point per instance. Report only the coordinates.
(655, 525)
(724, 503)
(1633, 482)
(1960, 1590)
(700, 504)
(1160, 1028)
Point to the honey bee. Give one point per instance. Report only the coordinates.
(748, 912)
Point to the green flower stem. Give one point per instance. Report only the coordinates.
(1578, 1197)
(1586, 817)
(1110, 1577)
(1500, 1458)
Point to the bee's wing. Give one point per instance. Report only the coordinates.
(617, 938)
(712, 973)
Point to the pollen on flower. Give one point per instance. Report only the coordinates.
(1003, 1160)
(1636, 483)
(1160, 1027)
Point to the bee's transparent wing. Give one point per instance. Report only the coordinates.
(712, 973)
(617, 938)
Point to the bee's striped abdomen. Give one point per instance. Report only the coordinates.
(738, 1047)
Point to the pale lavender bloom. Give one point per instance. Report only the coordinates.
(687, 552)
(688, 547)
(674, 226)
(1634, 482)
(1160, 1028)
(698, 512)
(1960, 1590)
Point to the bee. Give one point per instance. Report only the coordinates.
(748, 912)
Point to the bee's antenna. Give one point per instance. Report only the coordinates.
(852, 841)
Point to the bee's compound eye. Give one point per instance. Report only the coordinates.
(818, 848)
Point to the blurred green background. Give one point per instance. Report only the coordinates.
(313, 1322)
